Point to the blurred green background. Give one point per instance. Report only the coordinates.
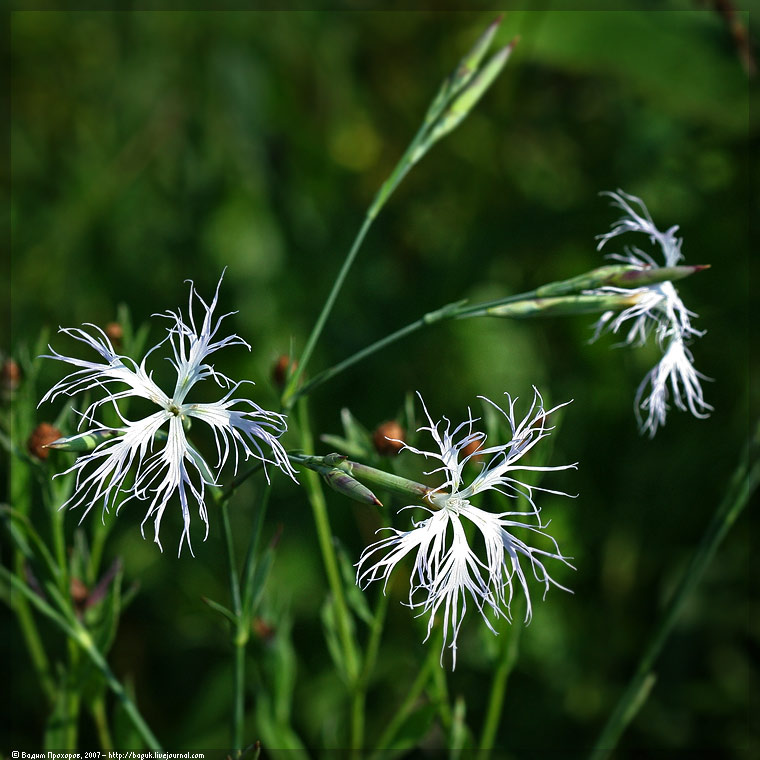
(148, 148)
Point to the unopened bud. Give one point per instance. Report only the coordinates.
(471, 449)
(531, 308)
(469, 63)
(41, 436)
(115, 332)
(636, 278)
(83, 441)
(262, 629)
(472, 93)
(11, 376)
(343, 483)
(388, 438)
(78, 591)
(283, 368)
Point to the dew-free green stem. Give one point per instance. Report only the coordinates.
(324, 535)
(33, 640)
(743, 482)
(100, 718)
(240, 638)
(546, 300)
(78, 633)
(507, 660)
(420, 144)
(407, 705)
(359, 696)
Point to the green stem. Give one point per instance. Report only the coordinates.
(411, 155)
(33, 640)
(73, 697)
(326, 309)
(406, 707)
(240, 639)
(99, 716)
(370, 658)
(617, 275)
(78, 633)
(507, 659)
(450, 311)
(324, 536)
(744, 481)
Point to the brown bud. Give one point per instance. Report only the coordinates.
(11, 375)
(43, 434)
(262, 629)
(282, 370)
(79, 592)
(115, 332)
(471, 448)
(389, 429)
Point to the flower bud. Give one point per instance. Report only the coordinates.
(11, 376)
(78, 591)
(469, 64)
(115, 332)
(87, 441)
(471, 93)
(41, 436)
(282, 370)
(388, 438)
(262, 629)
(343, 483)
(471, 448)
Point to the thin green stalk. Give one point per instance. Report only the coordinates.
(73, 696)
(405, 708)
(743, 482)
(33, 640)
(423, 140)
(386, 190)
(99, 716)
(78, 633)
(327, 308)
(324, 536)
(617, 275)
(507, 660)
(359, 696)
(240, 639)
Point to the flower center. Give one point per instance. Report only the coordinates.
(174, 409)
(455, 503)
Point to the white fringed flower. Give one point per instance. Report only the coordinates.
(447, 570)
(658, 308)
(164, 464)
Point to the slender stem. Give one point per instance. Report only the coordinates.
(743, 482)
(507, 660)
(370, 658)
(450, 311)
(98, 710)
(231, 563)
(32, 638)
(76, 631)
(240, 639)
(324, 535)
(327, 308)
(73, 696)
(336, 369)
(406, 707)
(402, 168)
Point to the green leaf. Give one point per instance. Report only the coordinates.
(58, 726)
(221, 609)
(355, 597)
(332, 638)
